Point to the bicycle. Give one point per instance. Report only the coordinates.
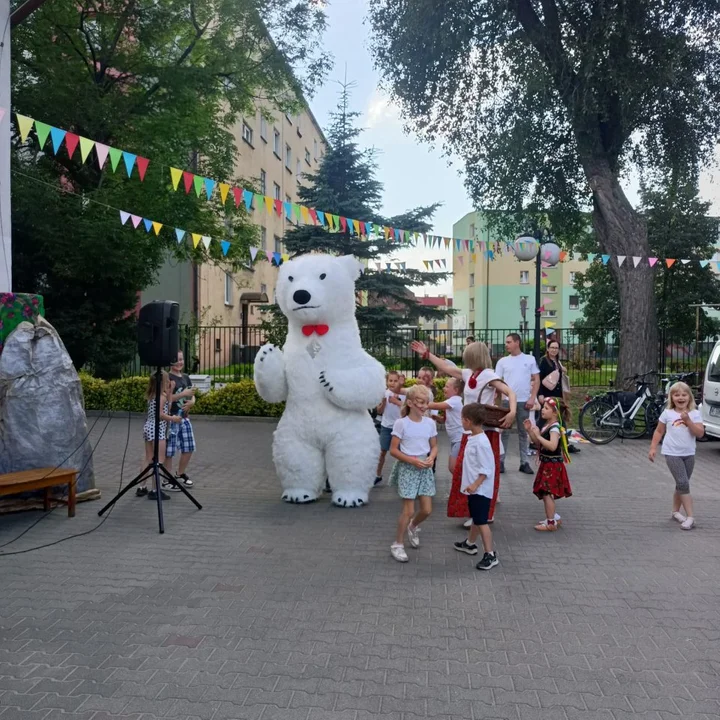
(627, 414)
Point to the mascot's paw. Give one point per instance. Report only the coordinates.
(269, 361)
(298, 495)
(325, 382)
(349, 498)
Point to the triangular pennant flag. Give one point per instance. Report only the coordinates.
(175, 175)
(85, 147)
(398, 234)
(285, 257)
(621, 260)
(129, 160)
(188, 178)
(362, 228)
(313, 215)
(142, 166)
(444, 262)
(248, 198)
(298, 212)
(356, 227)
(305, 215)
(179, 234)
(136, 220)
(157, 227)
(124, 217)
(684, 262)
(544, 274)
(321, 217)
(563, 255)
(224, 189)
(549, 324)
(473, 258)
(25, 125)
(253, 253)
(43, 130)
(343, 223)
(71, 142)
(206, 241)
(198, 183)
(437, 262)
(225, 245)
(278, 207)
(276, 258)
(209, 187)
(605, 259)
(115, 156)
(368, 228)
(148, 224)
(591, 257)
(425, 263)
(237, 196)
(196, 239)
(288, 210)
(670, 262)
(268, 204)
(636, 260)
(652, 261)
(704, 263)
(57, 136)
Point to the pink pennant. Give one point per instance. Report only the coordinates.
(102, 153)
(135, 220)
(652, 261)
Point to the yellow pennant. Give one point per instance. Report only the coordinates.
(285, 257)
(85, 147)
(25, 125)
(175, 174)
(224, 189)
(356, 225)
(196, 239)
(305, 214)
(549, 324)
(269, 204)
(157, 227)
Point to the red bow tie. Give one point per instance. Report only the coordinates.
(310, 329)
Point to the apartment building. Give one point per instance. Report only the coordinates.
(500, 293)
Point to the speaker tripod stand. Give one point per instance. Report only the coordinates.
(155, 469)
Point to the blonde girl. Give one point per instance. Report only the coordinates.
(680, 424)
(149, 427)
(414, 446)
(481, 386)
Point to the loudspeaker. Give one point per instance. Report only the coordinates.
(158, 333)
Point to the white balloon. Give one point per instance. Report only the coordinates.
(526, 247)
(550, 253)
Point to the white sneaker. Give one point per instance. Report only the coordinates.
(678, 516)
(467, 524)
(398, 552)
(413, 536)
(689, 524)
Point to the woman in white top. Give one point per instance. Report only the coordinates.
(481, 386)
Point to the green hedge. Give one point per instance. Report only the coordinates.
(238, 398)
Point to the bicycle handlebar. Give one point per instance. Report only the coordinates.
(637, 377)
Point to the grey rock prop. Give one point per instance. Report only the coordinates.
(42, 413)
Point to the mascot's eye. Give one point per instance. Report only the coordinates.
(323, 276)
(290, 278)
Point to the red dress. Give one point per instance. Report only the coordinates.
(457, 502)
(552, 478)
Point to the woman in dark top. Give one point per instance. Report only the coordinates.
(548, 364)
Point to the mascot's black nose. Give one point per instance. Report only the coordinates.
(301, 297)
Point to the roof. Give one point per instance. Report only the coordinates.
(435, 301)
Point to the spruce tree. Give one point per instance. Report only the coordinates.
(345, 185)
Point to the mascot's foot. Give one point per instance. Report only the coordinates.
(349, 498)
(298, 495)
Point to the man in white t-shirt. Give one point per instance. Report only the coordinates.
(521, 373)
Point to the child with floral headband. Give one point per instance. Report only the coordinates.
(551, 482)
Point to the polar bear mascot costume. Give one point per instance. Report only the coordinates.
(327, 381)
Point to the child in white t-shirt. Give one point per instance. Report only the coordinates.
(452, 407)
(678, 427)
(414, 446)
(389, 408)
(478, 484)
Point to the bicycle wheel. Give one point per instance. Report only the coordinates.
(652, 415)
(639, 425)
(592, 425)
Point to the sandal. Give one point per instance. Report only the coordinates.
(546, 526)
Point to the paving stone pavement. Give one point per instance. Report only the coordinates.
(255, 610)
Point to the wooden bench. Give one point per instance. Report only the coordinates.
(41, 479)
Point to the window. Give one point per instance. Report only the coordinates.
(247, 134)
(263, 238)
(288, 157)
(289, 119)
(217, 344)
(263, 288)
(307, 156)
(298, 126)
(298, 171)
(574, 302)
(278, 244)
(472, 279)
(524, 277)
(228, 289)
(572, 278)
(315, 149)
(287, 199)
(549, 313)
(263, 129)
(472, 230)
(276, 141)
(472, 304)
(549, 289)
(276, 191)
(263, 182)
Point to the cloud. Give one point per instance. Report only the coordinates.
(381, 111)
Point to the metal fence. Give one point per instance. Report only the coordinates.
(227, 353)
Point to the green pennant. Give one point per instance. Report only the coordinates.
(43, 130)
(115, 156)
(297, 211)
(199, 183)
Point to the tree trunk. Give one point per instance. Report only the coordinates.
(621, 231)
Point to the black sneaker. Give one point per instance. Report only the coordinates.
(466, 547)
(378, 480)
(185, 480)
(489, 561)
(502, 468)
(573, 449)
(169, 486)
(525, 468)
(141, 492)
(152, 495)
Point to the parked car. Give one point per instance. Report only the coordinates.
(710, 408)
